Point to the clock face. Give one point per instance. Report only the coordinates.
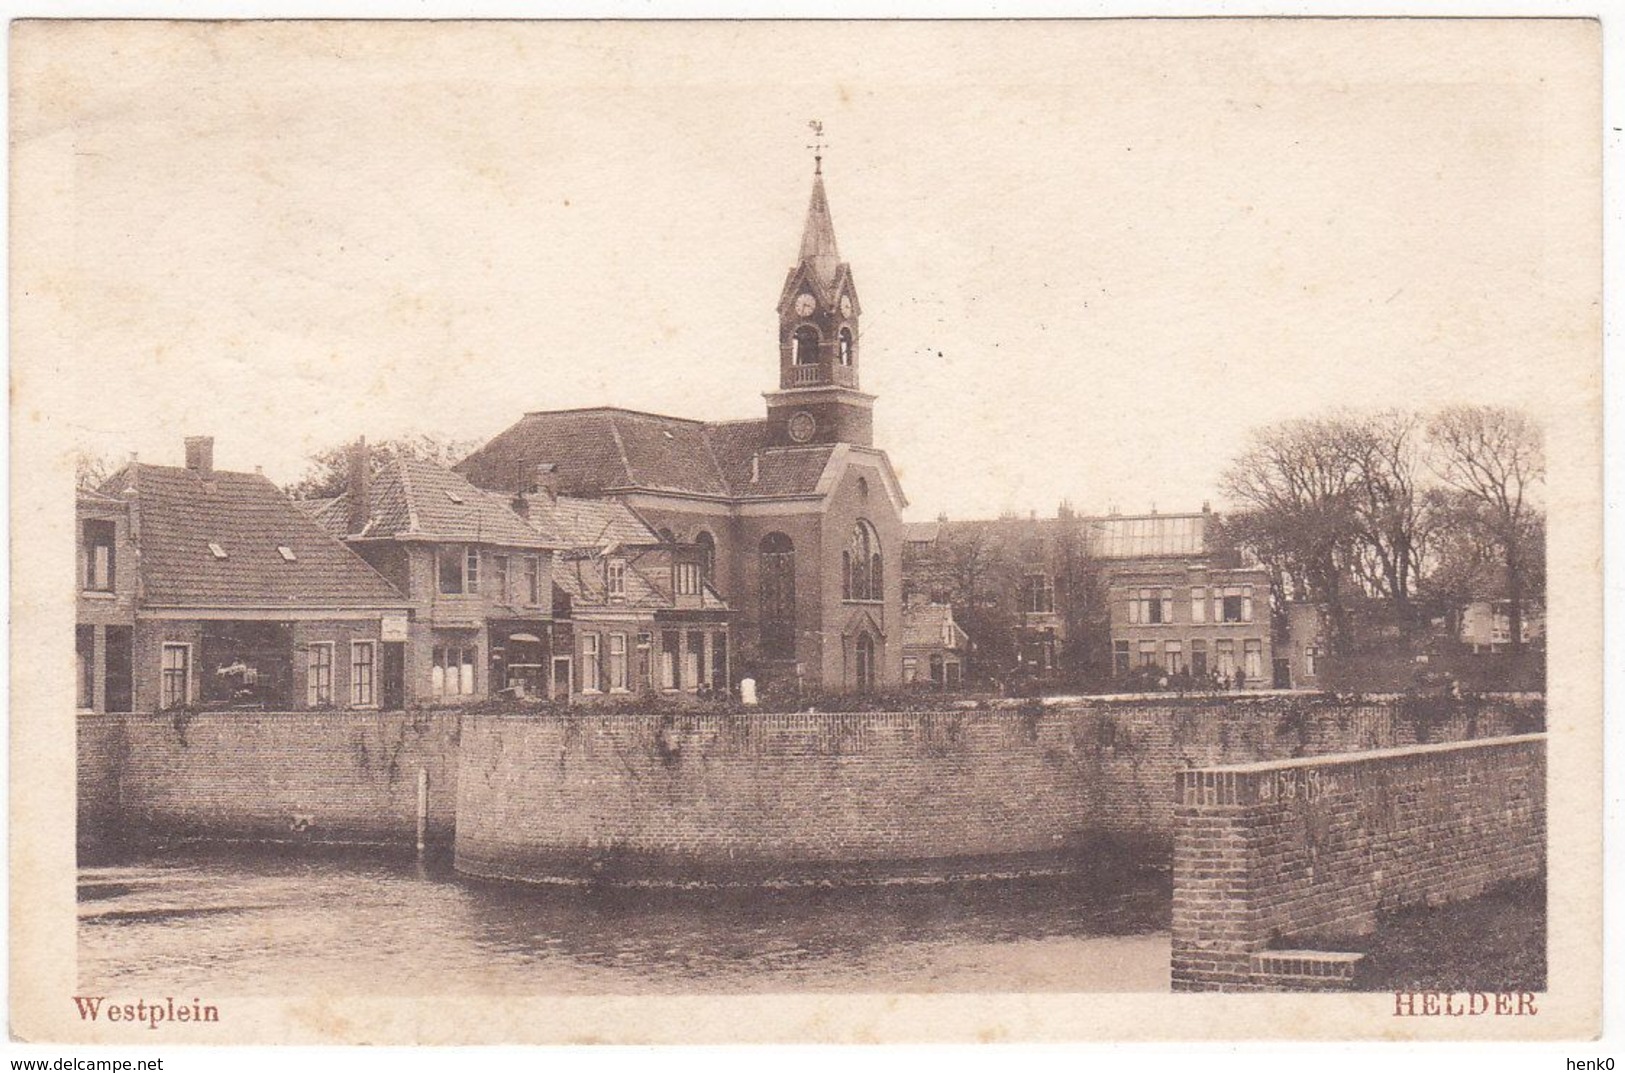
(805, 304)
(802, 427)
(846, 305)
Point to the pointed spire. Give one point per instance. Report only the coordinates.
(818, 237)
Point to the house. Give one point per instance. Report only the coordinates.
(642, 612)
(203, 588)
(1486, 625)
(106, 597)
(796, 515)
(476, 574)
(933, 645)
(1086, 597)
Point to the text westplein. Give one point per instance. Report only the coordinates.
(154, 1012)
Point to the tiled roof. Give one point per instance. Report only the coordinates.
(592, 523)
(921, 532)
(604, 450)
(648, 584)
(248, 518)
(414, 499)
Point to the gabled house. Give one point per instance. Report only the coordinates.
(643, 615)
(933, 645)
(204, 588)
(477, 575)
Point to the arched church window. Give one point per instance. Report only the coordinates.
(860, 564)
(778, 596)
(846, 346)
(708, 553)
(805, 346)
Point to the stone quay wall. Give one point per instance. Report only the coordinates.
(1275, 862)
(597, 791)
(334, 776)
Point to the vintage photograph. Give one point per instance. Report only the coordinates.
(1047, 516)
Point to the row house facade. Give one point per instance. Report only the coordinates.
(206, 588)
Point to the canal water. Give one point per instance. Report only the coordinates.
(252, 923)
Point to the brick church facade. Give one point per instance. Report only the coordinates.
(796, 516)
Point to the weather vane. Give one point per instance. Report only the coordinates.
(818, 145)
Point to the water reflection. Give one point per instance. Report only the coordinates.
(259, 924)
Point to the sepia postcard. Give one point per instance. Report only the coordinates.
(805, 531)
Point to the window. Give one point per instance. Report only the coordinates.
(499, 564)
(99, 537)
(911, 669)
(694, 660)
(471, 575)
(778, 596)
(533, 580)
(708, 553)
(670, 641)
(936, 667)
(1224, 659)
(860, 565)
(216, 550)
(846, 346)
(1120, 658)
(804, 347)
(645, 660)
(1233, 603)
(688, 579)
(453, 673)
(617, 662)
(1199, 659)
(1038, 594)
(1199, 604)
(1173, 657)
(177, 675)
(319, 675)
(591, 673)
(1311, 660)
(287, 553)
(1149, 607)
(719, 660)
(1148, 653)
(85, 647)
(866, 662)
(452, 562)
(1253, 658)
(615, 578)
(363, 673)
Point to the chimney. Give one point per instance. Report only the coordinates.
(546, 480)
(359, 488)
(755, 468)
(1207, 508)
(200, 455)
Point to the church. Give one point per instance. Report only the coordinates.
(795, 516)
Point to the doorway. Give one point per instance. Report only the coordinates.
(561, 678)
(392, 679)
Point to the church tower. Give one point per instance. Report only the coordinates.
(818, 400)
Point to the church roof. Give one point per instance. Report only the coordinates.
(818, 236)
(606, 449)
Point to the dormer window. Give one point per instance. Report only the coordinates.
(287, 553)
(687, 581)
(217, 551)
(454, 497)
(615, 578)
(99, 537)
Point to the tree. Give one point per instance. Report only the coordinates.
(329, 469)
(1297, 483)
(981, 575)
(1386, 510)
(1495, 459)
(91, 470)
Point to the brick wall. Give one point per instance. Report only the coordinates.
(306, 776)
(101, 754)
(1305, 853)
(770, 795)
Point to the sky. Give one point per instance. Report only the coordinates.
(1092, 255)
